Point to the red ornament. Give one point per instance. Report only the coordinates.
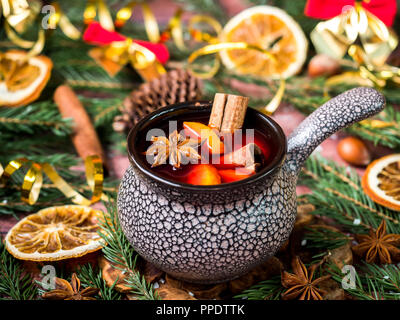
(385, 10)
(96, 34)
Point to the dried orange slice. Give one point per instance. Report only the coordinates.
(22, 80)
(55, 233)
(381, 181)
(272, 29)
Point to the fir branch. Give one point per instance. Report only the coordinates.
(32, 119)
(83, 83)
(102, 110)
(323, 237)
(372, 282)
(120, 252)
(334, 197)
(14, 284)
(270, 289)
(93, 278)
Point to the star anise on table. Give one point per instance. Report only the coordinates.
(301, 285)
(70, 291)
(174, 148)
(378, 246)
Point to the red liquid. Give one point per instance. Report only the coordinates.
(210, 170)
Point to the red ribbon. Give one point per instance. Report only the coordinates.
(96, 34)
(385, 10)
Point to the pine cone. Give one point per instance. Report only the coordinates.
(173, 87)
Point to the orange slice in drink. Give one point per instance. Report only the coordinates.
(269, 28)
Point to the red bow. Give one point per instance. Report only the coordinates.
(385, 10)
(96, 34)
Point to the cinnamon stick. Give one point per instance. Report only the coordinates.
(228, 112)
(84, 136)
(217, 111)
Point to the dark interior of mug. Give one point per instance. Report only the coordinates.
(200, 111)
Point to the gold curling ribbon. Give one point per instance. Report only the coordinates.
(215, 46)
(174, 29)
(60, 18)
(150, 22)
(33, 180)
(334, 37)
(94, 7)
(204, 36)
(375, 123)
(340, 35)
(273, 105)
(114, 56)
(18, 16)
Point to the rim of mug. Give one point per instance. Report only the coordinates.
(136, 159)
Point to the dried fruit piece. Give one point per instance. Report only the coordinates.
(381, 181)
(113, 276)
(203, 174)
(200, 131)
(167, 292)
(270, 28)
(22, 79)
(55, 233)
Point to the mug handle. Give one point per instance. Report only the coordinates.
(339, 112)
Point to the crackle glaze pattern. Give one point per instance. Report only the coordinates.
(202, 240)
(210, 237)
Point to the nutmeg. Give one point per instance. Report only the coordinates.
(323, 65)
(354, 151)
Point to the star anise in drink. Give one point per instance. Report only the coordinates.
(175, 148)
(70, 291)
(378, 246)
(300, 284)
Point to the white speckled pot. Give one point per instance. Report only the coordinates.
(210, 234)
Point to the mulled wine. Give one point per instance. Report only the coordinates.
(204, 149)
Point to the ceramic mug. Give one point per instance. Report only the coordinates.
(211, 234)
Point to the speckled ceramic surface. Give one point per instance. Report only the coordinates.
(217, 233)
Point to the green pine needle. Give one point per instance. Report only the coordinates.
(120, 252)
(90, 277)
(270, 289)
(372, 282)
(34, 119)
(320, 237)
(337, 194)
(14, 283)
